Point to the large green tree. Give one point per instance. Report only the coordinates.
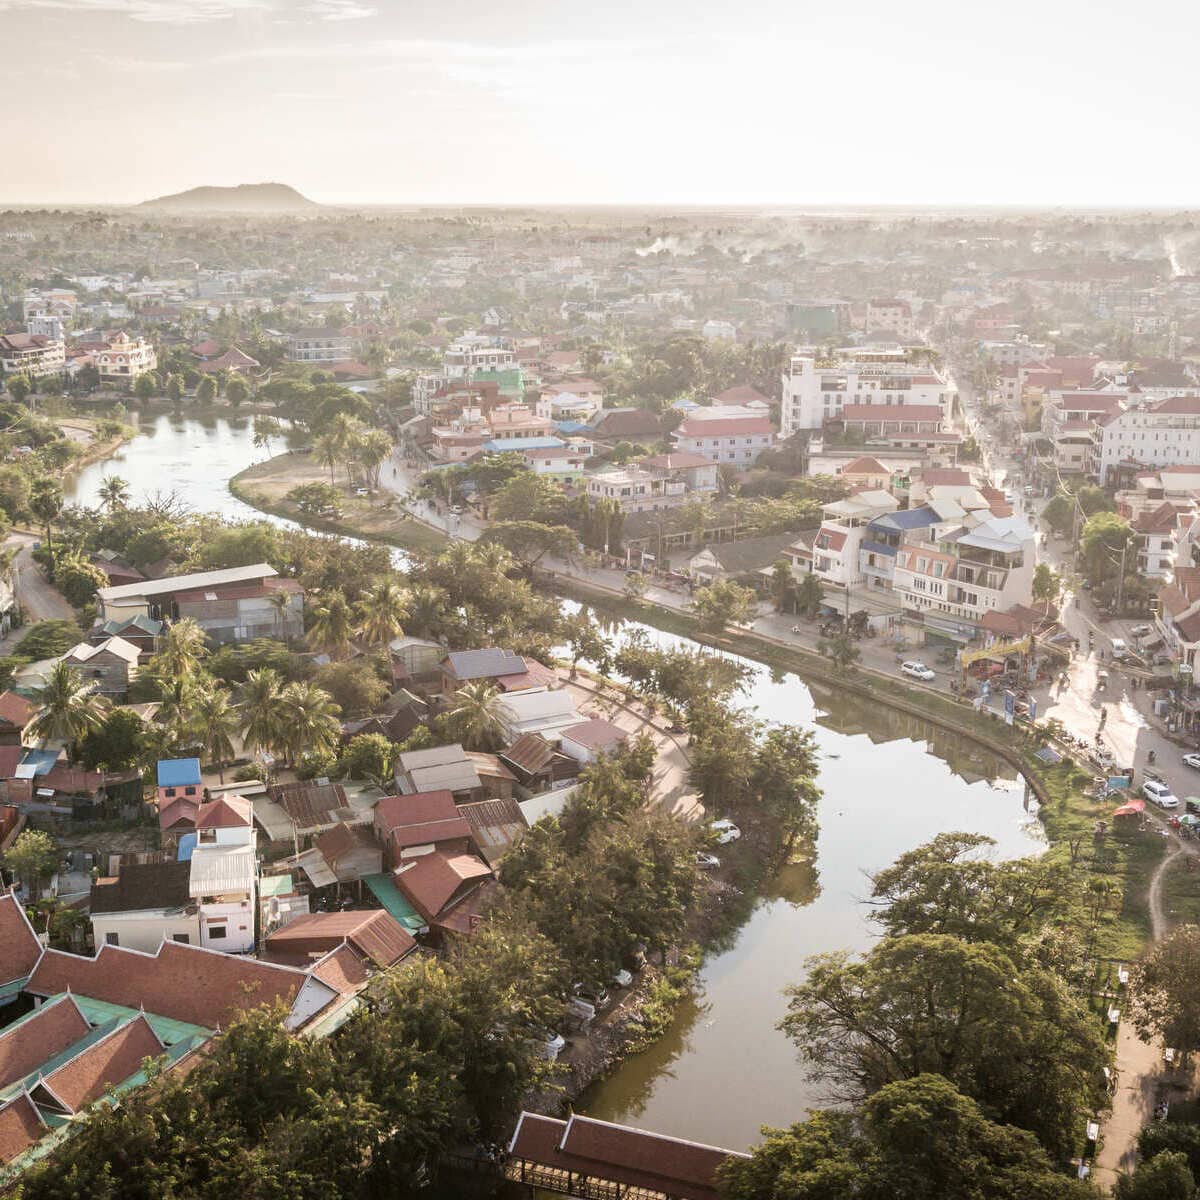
(721, 604)
(1165, 990)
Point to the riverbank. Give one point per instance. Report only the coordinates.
(1068, 815)
(94, 450)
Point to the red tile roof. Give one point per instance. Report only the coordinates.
(187, 983)
(21, 1126)
(433, 817)
(19, 945)
(342, 970)
(1188, 406)
(1162, 519)
(179, 813)
(679, 460)
(743, 393)
(596, 734)
(108, 1062)
(433, 880)
(15, 710)
(865, 466)
(10, 758)
(714, 427)
(226, 812)
(891, 412)
(49, 1031)
(376, 935)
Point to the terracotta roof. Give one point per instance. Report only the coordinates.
(15, 710)
(432, 880)
(10, 758)
(1181, 405)
(342, 969)
(107, 1062)
(941, 476)
(622, 1154)
(226, 812)
(47, 1032)
(743, 393)
(187, 983)
(420, 818)
(19, 945)
(534, 675)
(21, 1126)
(341, 840)
(597, 733)
(625, 422)
(178, 813)
(714, 427)
(679, 460)
(376, 935)
(890, 412)
(1162, 519)
(865, 466)
(1187, 579)
(829, 539)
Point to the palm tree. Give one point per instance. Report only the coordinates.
(183, 650)
(70, 709)
(261, 705)
(114, 492)
(279, 602)
(310, 721)
(474, 718)
(217, 721)
(328, 452)
(373, 449)
(46, 503)
(331, 623)
(382, 612)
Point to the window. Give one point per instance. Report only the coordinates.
(181, 937)
(112, 939)
(217, 931)
(170, 791)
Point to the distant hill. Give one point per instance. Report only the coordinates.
(245, 198)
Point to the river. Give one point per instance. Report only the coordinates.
(890, 783)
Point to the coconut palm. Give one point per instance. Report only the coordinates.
(372, 449)
(328, 452)
(260, 703)
(113, 492)
(382, 612)
(46, 503)
(217, 720)
(310, 721)
(183, 650)
(331, 623)
(426, 605)
(475, 717)
(70, 708)
(279, 602)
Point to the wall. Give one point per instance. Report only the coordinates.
(144, 931)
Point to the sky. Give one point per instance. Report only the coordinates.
(664, 102)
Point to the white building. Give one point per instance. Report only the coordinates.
(730, 434)
(719, 331)
(319, 346)
(891, 316)
(32, 354)
(47, 325)
(224, 874)
(124, 359)
(835, 552)
(477, 352)
(635, 490)
(1162, 433)
(813, 394)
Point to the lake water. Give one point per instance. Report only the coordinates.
(890, 782)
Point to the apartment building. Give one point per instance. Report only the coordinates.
(476, 352)
(32, 354)
(817, 390)
(635, 490)
(123, 359)
(1068, 422)
(729, 434)
(836, 557)
(319, 346)
(1161, 433)
(891, 316)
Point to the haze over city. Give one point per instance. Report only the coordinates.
(533, 101)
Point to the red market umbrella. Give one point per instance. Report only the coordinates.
(1131, 808)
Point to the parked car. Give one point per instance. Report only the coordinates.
(1142, 630)
(1119, 649)
(597, 997)
(918, 670)
(1160, 794)
(1192, 760)
(707, 862)
(622, 979)
(726, 831)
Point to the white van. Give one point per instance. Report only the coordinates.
(1119, 649)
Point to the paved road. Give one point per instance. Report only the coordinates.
(37, 598)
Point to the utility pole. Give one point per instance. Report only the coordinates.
(1121, 578)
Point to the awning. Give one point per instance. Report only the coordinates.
(395, 903)
(1131, 808)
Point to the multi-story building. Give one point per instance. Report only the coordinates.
(1178, 619)
(950, 578)
(835, 554)
(32, 354)
(1068, 421)
(815, 391)
(728, 434)
(1162, 433)
(124, 358)
(224, 874)
(1015, 353)
(319, 346)
(47, 325)
(636, 490)
(477, 352)
(891, 316)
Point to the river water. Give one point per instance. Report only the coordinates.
(890, 782)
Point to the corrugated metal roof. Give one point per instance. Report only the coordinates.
(220, 869)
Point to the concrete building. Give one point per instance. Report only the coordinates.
(32, 354)
(1162, 433)
(816, 390)
(635, 490)
(891, 316)
(143, 906)
(123, 359)
(224, 873)
(729, 435)
(319, 346)
(836, 558)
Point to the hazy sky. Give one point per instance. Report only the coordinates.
(657, 101)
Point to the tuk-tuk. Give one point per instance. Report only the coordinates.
(1101, 680)
(1192, 804)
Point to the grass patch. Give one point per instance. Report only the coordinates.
(662, 1002)
(1181, 891)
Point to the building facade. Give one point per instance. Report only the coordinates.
(123, 359)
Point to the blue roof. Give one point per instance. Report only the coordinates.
(907, 518)
(878, 548)
(187, 844)
(569, 427)
(529, 443)
(42, 760)
(178, 772)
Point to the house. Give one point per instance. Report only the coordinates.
(224, 873)
(866, 474)
(19, 947)
(1161, 433)
(410, 825)
(377, 939)
(310, 807)
(890, 316)
(728, 435)
(496, 826)
(230, 605)
(138, 631)
(1177, 621)
(745, 557)
(742, 396)
(438, 885)
(843, 527)
(497, 780)
(881, 542)
(616, 1160)
(235, 361)
(123, 358)
(143, 905)
(319, 346)
(614, 425)
(110, 666)
(470, 666)
(636, 490)
(592, 738)
(415, 657)
(694, 471)
(547, 713)
(179, 779)
(350, 852)
(15, 713)
(440, 767)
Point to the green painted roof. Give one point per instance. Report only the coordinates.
(168, 1030)
(390, 896)
(276, 885)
